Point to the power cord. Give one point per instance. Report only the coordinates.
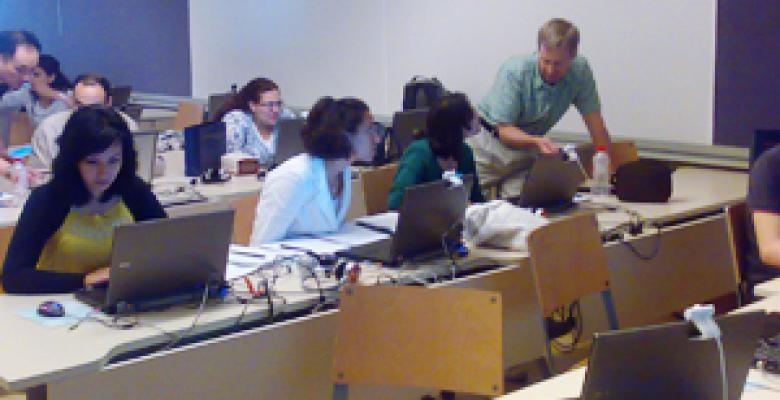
(189, 330)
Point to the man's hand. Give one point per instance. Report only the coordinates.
(546, 146)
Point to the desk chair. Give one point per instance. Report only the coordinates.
(244, 217)
(376, 187)
(21, 129)
(736, 228)
(444, 338)
(188, 113)
(6, 233)
(568, 262)
(623, 151)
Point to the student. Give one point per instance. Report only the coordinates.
(763, 203)
(450, 120)
(46, 78)
(91, 89)
(251, 119)
(310, 192)
(361, 129)
(62, 240)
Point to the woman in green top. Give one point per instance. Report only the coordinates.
(450, 120)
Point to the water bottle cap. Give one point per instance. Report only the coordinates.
(601, 147)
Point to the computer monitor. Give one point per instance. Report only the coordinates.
(120, 96)
(216, 101)
(407, 126)
(289, 143)
(145, 143)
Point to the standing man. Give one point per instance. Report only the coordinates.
(529, 96)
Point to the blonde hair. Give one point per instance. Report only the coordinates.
(559, 33)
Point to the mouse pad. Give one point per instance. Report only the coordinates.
(74, 310)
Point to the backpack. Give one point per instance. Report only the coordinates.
(421, 92)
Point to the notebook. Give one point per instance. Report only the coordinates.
(428, 212)
(162, 262)
(551, 183)
(665, 362)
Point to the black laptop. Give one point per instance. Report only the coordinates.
(428, 212)
(289, 143)
(551, 183)
(407, 125)
(669, 362)
(162, 262)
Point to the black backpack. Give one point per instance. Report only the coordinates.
(421, 92)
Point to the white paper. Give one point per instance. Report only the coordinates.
(385, 222)
(354, 235)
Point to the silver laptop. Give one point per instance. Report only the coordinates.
(145, 143)
(289, 143)
(428, 212)
(163, 262)
(552, 182)
(667, 362)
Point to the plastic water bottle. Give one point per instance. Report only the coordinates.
(21, 184)
(601, 185)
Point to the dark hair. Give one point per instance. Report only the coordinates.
(447, 118)
(324, 134)
(353, 111)
(252, 91)
(51, 66)
(10, 40)
(91, 79)
(92, 129)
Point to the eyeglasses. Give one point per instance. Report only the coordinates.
(271, 104)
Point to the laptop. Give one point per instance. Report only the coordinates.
(159, 263)
(428, 212)
(145, 143)
(665, 362)
(551, 183)
(406, 124)
(289, 143)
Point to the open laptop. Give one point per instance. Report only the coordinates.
(428, 212)
(406, 124)
(163, 262)
(551, 183)
(665, 362)
(145, 143)
(289, 143)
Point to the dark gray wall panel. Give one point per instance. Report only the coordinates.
(142, 43)
(747, 70)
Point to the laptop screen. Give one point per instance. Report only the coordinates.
(145, 143)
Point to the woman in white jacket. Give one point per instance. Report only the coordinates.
(310, 192)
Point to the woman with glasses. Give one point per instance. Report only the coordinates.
(309, 193)
(251, 118)
(450, 120)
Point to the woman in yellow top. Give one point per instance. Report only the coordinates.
(63, 239)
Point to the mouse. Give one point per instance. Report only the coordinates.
(51, 308)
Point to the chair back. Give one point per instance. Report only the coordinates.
(244, 218)
(188, 113)
(21, 129)
(736, 228)
(443, 338)
(376, 187)
(568, 261)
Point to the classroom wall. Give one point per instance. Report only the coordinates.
(142, 43)
(747, 89)
(653, 59)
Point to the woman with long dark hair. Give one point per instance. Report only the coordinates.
(63, 239)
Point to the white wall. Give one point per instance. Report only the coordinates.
(653, 59)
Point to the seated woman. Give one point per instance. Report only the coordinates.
(49, 90)
(450, 120)
(310, 192)
(63, 238)
(763, 219)
(361, 129)
(251, 119)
